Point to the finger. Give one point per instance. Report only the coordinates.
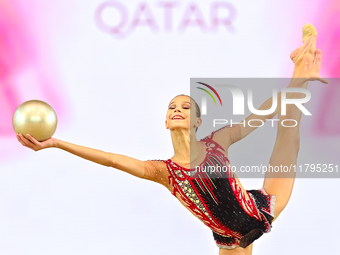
(323, 80)
(23, 140)
(317, 58)
(27, 142)
(314, 58)
(19, 139)
(320, 58)
(33, 140)
(307, 64)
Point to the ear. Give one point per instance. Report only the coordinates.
(166, 125)
(198, 122)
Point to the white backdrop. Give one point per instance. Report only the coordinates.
(112, 94)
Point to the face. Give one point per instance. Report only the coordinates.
(178, 114)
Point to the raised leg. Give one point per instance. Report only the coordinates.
(284, 155)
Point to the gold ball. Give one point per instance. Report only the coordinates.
(36, 118)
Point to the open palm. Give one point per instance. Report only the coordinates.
(33, 144)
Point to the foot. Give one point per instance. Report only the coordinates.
(308, 48)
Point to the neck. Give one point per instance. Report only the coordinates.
(181, 141)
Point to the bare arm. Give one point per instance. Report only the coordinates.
(121, 162)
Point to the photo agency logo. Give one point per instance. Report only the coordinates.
(279, 101)
(204, 99)
(121, 19)
(225, 102)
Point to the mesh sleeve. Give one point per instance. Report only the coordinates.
(227, 135)
(156, 170)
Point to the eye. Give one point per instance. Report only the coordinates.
(172, 107)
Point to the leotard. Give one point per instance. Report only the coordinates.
(236, 216)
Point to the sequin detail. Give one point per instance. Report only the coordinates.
(181, 176)
(237, 217)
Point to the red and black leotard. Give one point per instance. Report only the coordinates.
(236, 216)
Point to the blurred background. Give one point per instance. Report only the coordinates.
(110, 69)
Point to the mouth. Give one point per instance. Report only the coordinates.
(177, 117)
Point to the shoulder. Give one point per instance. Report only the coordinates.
(154, 169)
(226, 135)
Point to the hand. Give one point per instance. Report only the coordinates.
(33, 144)
(310, 71)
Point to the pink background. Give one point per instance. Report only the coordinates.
(110, 88)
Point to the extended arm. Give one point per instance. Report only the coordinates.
(121, 162)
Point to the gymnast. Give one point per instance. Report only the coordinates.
(237, 217)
